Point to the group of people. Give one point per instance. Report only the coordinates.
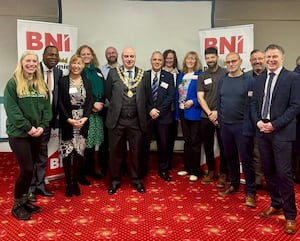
(107, 108)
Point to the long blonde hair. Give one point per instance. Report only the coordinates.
(197, 66)
(37, 83)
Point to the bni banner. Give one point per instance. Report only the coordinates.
(237, 39)
(35, 36)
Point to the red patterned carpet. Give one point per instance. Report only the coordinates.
(179, 210)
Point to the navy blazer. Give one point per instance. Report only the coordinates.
(114, 88)
(285, 104)
(165, 96)
(57, 73)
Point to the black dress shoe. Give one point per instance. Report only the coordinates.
(76, 189)
(31, 208)
(140, 187)
(113, 189)
(165, 176)
(84, 181)
(20, 213)
(44, 192)
(32, 197)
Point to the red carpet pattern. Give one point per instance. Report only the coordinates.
(179, 210)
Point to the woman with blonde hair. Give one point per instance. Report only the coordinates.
(75, 106)
(188, 111)
(28, 110)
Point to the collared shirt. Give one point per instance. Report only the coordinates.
(45, 69)
(127, 73)
(153, 75)
(277, 72)
(106, 68)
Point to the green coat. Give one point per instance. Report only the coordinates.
(25, 112)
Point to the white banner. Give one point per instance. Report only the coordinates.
(36, 36)
(33, 35)
(237, 39)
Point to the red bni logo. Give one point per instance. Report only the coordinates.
(38, 41)
(231, 44)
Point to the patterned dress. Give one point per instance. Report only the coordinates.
(78, 142)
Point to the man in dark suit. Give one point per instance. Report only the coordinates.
(126, 119)
(276, 102)
(51, 75)
(160, 96)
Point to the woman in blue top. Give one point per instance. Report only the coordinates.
(188, 111)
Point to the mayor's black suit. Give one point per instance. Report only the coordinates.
(160, 127)
(126, 121)
(40, 164)
(276, 147)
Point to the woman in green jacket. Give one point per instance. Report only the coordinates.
(28, 110)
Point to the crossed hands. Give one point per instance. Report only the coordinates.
(265, 127)
(213, 117)
(154, 113)
(36, 132)
(77, 124)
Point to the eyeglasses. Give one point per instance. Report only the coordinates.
(231, 61)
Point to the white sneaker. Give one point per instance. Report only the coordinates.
(182, 173)
(193, 178)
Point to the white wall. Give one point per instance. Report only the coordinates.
(145, 25)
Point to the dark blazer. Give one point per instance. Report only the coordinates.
(285, 104)
(114, 93)
(57, 73)
(65, 108)
(165, 96)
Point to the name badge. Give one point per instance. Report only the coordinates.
(195, 77)
(250, 93)
(164, 85)
(208, 81)
(73, 90)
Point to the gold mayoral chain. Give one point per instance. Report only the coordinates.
(130, 83)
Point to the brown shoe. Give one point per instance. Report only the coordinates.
(250, 201)
(290, 227)
(229, 191)
(270, 211)
(209, 178)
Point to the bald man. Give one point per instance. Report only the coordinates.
(126, 119)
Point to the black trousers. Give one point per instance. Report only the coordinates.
(161, 132)
(26, 151)
(208, 130)
(192, 145)
(126, 130)
(277, 167)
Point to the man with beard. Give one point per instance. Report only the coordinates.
(52, 76)
(206, 92)
(111, 56)
(258, 63)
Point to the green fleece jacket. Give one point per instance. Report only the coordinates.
(25, 112)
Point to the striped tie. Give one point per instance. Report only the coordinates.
(154, 87)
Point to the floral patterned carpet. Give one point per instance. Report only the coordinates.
(179, 210)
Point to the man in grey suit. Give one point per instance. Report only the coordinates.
(51, 75)
(276, 102)
(126, 119)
